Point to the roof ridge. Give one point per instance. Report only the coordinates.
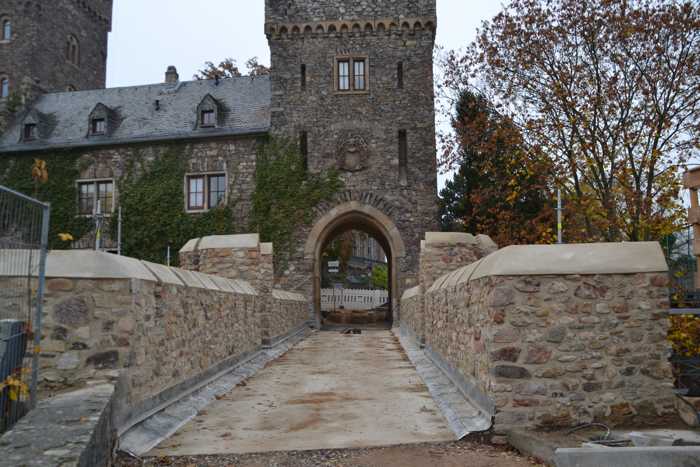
(178, 85)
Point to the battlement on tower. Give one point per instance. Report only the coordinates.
(100, 10)
(314, 11)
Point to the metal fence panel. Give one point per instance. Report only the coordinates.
(24, 226)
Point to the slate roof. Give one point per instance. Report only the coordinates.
(244, 104)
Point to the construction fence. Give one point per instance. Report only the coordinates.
(24, 226)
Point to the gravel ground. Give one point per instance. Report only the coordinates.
(457, 454)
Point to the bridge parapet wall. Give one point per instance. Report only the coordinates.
(156, 331)
(162, 325)
(245, 257)
(553, 336)
(440, 253)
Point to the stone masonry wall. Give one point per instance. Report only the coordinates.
(244, 257)
(40, 31)
(288, 311)
(443, 252)
(412, 315)
(440, 253)
(558, 351)
(183, 331)
(161, 333)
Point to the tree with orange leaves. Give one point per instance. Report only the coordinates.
(500, 189)
(609, 91)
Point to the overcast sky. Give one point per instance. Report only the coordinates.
(147, 36)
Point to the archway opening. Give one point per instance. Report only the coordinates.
(362, 218)
(354, 278)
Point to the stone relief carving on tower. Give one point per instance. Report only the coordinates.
(353, 153)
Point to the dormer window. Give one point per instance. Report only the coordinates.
(208, 112)
(30, 132)
(207, 118)
(33, 126)
(102, 121)
(99, 126)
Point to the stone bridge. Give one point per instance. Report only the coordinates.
(212, 358)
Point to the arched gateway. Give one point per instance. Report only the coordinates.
(357, 216)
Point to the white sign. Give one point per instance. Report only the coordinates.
(334, 264)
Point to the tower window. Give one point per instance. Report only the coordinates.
(359, 75)
(30, 132)
(403, 157)
(304, 148)
(351, 74)
(73, 50)
(4, 88)
(303, 76)
(7, 30)
(399, 75)
(344, 75)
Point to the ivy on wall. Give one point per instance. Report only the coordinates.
(154, 216)
(151, 197)
(285, 195)
(59, 190)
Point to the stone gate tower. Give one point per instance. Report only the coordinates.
(353, 83)
(54, 46)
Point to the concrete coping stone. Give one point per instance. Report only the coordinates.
(576, 259)
(454, 278)
(412, 292)
(207, 280)
(189, 278)
(165, 274)
(222, 242)
(63, 430)
(486, 242)
(243, 286)
(266, 248)
(289, 296)
(441, 238)
(89, 264)
(77, 264)
(223, 284)
(190, 246)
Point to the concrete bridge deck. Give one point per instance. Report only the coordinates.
(330, 391)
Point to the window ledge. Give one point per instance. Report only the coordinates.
(91, 216)
(350, 93)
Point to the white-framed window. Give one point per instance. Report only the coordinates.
(98, 126)
(6, 29)
(92, 191)
(207, 118)
(351, 74)
(4, 88)
(205, 191)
